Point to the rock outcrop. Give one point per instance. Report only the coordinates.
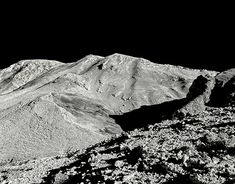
(198, 96)
(224, 91)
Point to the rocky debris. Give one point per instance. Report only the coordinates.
(197, 149)
(224, 91)
(48, 107)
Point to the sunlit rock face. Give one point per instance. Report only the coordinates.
(49, 108)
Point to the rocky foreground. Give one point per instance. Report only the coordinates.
(197, 149)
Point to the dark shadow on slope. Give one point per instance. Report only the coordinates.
(147, 115)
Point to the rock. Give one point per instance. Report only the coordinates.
(128, 177)
(224, 92)
(198, 96)
(119, 164)
(60, 178)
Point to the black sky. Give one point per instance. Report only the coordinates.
(188, 40)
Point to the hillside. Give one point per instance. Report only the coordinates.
(56, 107)
(195, 150)
(115, 119)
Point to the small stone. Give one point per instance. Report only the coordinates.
(60, 178)
(108, 171)
(119, 164)
(128, 177)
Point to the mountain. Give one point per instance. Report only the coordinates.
(51, 112)
(49, 107)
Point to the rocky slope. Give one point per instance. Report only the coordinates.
(197, 149)
(49, 107)
(158, 123)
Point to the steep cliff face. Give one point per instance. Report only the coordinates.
(49, 107)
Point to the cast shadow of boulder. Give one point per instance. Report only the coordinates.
(147, 115)
(194, 103)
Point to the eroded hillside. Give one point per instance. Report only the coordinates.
(116, 119)
(55, 107)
